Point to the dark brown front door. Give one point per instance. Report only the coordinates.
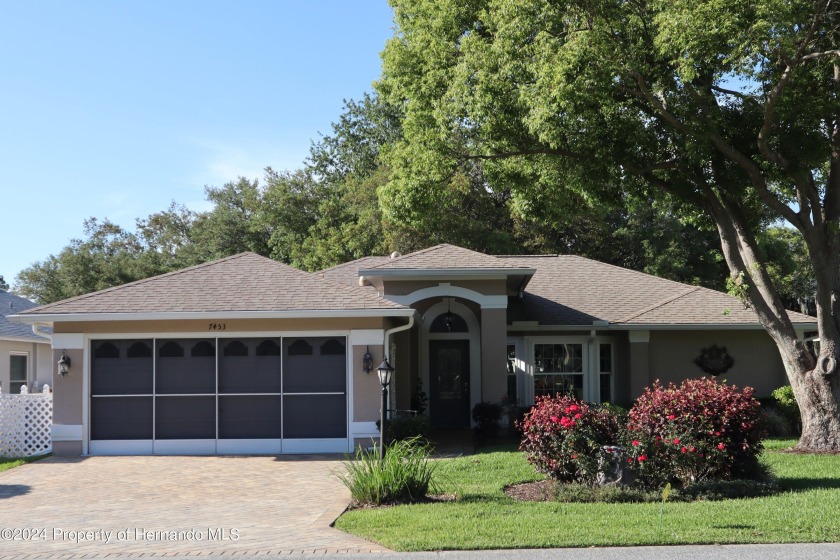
(449, 383)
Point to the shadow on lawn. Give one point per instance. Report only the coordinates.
(804, 484)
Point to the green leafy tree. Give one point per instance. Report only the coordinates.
(3, 284)
(730, 108)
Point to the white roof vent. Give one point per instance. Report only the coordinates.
(395, 254)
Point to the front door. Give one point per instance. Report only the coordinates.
(449, 383)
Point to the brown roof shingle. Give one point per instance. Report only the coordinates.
(444, 257)
(243, 282)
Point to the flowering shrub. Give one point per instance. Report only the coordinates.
(563, 437)
(700, 430)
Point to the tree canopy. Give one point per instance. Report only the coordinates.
(729, 111)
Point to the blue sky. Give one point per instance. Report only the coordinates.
(114, 109)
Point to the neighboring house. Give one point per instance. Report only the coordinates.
(248, 355)
(25, 357)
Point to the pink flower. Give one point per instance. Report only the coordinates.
(671, 417)
(683, 449)
(555, 419)
(717, 433)
(578, 416)
(721, 446)
(642, 458)
(693, 449)
(574, 456)
(676, 441)
(574, 408)
(636, 443)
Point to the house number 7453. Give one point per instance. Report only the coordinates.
(216, 327)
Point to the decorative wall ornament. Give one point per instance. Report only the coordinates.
(714, 360)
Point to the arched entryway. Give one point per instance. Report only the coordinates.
(451, 368)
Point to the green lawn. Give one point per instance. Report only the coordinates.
(6, 463)
(484, 517)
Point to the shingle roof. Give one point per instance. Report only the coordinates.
(444, 257)
(10, 304)
(243, 282)
(572, 290)
(347, 274)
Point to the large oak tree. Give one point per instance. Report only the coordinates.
(730, 109)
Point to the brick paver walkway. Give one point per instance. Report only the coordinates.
(97, 506)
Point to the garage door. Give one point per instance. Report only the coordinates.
(219, 395)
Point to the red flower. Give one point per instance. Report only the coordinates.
(578, 416)
(676, 441)
(642, 458)
(717, 433)
(683, 449)
(574, 456)
(671, 417)
(693, 449)
(636, 442)
(555, 419)
(574, 408)
(721, 446)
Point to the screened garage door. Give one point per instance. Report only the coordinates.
(219, 395)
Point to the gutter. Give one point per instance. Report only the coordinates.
(389, 332)
(36, 328)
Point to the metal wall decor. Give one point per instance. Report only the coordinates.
(714, 360)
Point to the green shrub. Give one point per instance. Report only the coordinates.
(403, 476)
(564, 438)
(699, 430)
(774, 423)
(787, 404)
(487, 417)
(406, 427)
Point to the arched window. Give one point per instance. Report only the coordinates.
(203, 350)
(139, 350)
(235, 348)
(171, 350)
(449, 323)
(300, 348)
(332, 347)
(268, 348)
(106, 350)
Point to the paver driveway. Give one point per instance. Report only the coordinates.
(150, 505)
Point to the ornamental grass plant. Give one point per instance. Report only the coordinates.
(404, 475)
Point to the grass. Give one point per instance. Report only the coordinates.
(7, 463)
(484, 517)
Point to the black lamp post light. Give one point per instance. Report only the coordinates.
(385, 372)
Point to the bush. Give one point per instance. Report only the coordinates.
(774, 423)
(487, 417)
(403, 476)
(563, 438)
(698, 431)
(787, 405)
(406, 427)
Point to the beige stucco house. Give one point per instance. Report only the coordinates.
(25, 356)
(248, 355)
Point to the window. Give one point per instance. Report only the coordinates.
(605, 371)
(558, 369)
(18, 369)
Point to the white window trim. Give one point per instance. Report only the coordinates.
(531, 371)
(598, 342)
(591, 363)
(28, 374)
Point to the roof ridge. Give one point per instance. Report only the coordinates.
(662, 303)
(144, 280)
(418, 252)
(348, 263)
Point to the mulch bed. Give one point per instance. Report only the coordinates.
(539, 491)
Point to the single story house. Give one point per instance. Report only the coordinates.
(25, 355)
(248, 355)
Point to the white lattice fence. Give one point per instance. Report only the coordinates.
(25, 424)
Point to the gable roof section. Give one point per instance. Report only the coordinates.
(245, 282)
(445, 257)
(572, 290)
(347, 274)
(10, 304)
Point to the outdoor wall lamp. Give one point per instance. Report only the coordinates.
(63, 364)
(367, 361)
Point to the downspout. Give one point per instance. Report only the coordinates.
(386, 349)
